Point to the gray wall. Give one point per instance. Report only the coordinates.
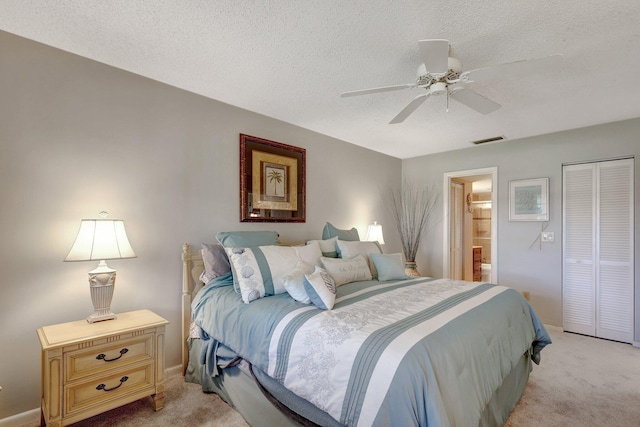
(536, 270)
(78, 137)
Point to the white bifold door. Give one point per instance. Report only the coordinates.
(597, 224)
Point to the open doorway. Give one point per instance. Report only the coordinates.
(470, 231)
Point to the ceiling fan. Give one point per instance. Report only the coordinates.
(441, 74)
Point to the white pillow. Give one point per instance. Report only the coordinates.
(260, 271)
(349, 249)
(294, 282)
(327, 247)
(321, 288)
(347, 270)
(309, 253)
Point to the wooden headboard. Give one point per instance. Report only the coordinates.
(192, 267)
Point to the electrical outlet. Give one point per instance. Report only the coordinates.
(547, 236)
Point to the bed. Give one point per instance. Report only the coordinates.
(400, 351)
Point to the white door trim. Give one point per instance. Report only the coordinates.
(448, 176)
(456, 266)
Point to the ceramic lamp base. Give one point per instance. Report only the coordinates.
(101, 284)
(101, 315)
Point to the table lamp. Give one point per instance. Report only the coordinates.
(100, 240)
(374, 233)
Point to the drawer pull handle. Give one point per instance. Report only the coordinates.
(102, 356)
(104, 387)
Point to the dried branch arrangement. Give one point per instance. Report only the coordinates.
(412, 206)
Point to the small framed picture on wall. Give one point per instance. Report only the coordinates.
(529, 200)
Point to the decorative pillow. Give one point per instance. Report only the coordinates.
(351, 249)
(328, 247)
(247, 239)
(310, 253)
(294, 282)
(260, 271)
(346, 271)
(215, 260)
(330, 231)
(321, 288)
(389, 267)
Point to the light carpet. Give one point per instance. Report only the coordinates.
(582, 381)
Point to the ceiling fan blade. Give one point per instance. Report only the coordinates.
(513, 69)
(435, 54)
(406, 111)
(474, 100)
(377, 90)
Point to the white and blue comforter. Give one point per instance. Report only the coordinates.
(414, 352)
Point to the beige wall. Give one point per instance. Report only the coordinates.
(522, 265)
(78, 137)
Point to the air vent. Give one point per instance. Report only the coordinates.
(487, 140)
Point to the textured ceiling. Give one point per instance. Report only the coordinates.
(290, 60)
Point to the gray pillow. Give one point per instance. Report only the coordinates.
(216, 262)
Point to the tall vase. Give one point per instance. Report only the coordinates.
(410, 269)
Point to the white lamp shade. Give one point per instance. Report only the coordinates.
(101, 239)
(374, 233)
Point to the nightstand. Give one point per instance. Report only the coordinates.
(90, 368)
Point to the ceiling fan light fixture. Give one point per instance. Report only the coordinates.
(438, 88)
(455, 65)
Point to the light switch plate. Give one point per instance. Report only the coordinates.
(547, 236)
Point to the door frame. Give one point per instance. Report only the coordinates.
(452, 198)
(448, 176)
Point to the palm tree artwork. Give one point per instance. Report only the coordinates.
(275, 182)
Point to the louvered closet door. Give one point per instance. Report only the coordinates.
(598, 249)
(614, 284)
(578, 225)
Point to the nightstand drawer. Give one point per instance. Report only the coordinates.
(104, 392)
(113, 355)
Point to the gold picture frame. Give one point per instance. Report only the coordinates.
(277, 178)
(272, 181)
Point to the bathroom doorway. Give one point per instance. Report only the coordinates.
(470, 232)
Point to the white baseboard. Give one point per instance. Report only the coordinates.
(174, 370)
(553, 328)
(32, 417)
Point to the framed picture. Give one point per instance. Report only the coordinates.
(529, 200)
(272, 181)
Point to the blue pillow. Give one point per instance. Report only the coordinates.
(247, 239)
(389, 266)
(330, 231)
